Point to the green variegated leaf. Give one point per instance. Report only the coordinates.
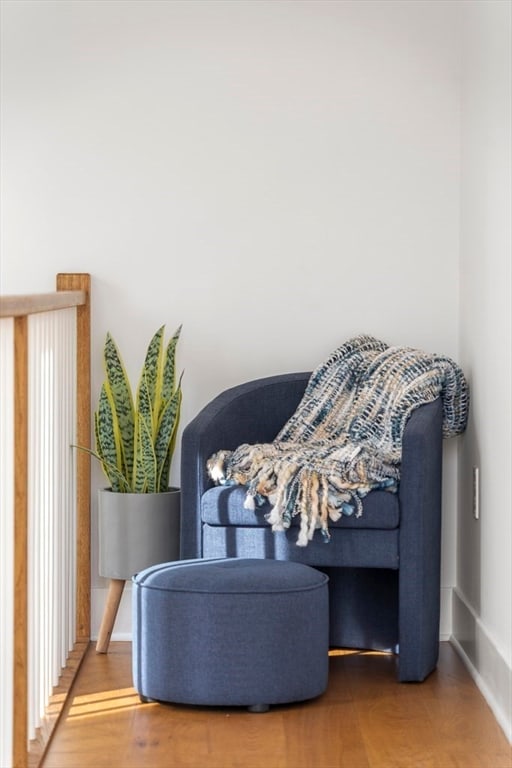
(139, 478)
(117, 480)
(99, 455)
(108, 439)
(147, 455)
(145, 463)
(144, 404)
(152, 369)
(169, 374)
(166, 438)
(123, 401)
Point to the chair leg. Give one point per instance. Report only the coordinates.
(418, 629)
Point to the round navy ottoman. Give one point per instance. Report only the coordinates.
(230, 632)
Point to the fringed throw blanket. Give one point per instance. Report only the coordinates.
(345, 437)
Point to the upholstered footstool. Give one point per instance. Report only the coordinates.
(230, 632)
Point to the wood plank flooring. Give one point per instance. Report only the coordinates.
(364, 720)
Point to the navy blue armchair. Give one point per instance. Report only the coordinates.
(383, 567)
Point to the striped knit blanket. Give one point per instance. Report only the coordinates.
(345, 436)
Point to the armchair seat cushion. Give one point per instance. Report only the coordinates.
(224, 505)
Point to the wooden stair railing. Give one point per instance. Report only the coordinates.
(72, 290)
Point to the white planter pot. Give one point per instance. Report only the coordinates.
(137, 530)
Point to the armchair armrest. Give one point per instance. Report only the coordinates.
(253, 412)
(420, 540)
(420, 473)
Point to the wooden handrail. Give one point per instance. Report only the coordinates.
(73, 290)
(31, 304)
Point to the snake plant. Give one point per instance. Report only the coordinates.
(135, 437)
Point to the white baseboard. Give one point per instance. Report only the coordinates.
(445, 620)
(487, 666)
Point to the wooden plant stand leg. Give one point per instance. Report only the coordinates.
(115, 593)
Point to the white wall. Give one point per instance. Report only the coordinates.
(277, 176)
(482, 623)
